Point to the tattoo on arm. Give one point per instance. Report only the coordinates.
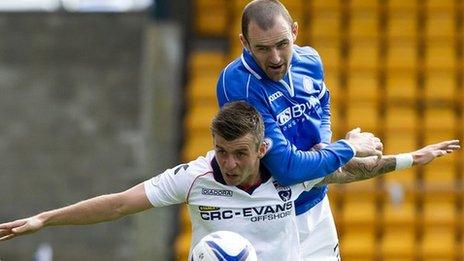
(360, 169)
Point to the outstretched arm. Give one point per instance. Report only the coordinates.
(365, 168)
(94, 210)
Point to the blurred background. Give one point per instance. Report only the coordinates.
(96, 96)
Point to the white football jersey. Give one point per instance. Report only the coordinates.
(265, 216)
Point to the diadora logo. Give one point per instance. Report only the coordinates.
(285, 193)
(296, 111)
(207, 208)
(217, 192)
(275, 95)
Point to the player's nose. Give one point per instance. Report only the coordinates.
(274, 56)
(229, 163)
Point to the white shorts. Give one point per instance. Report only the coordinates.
(318, 234)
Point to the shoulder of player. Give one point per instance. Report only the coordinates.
(192, 170)
(307, 56)
(234, 81)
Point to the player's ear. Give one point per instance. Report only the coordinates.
(294, 30)
(244, 41)
(262, 150)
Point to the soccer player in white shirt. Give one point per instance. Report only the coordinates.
(227, 189)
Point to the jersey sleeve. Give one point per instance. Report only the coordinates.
(325, 129)
(289, 166)
(170, 187)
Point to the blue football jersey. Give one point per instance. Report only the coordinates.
(296, 114)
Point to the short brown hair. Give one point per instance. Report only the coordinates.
(237, 119)
(263, 13)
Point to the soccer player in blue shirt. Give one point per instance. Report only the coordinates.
(285, 82)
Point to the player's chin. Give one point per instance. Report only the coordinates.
(232, 180)
(275, 75)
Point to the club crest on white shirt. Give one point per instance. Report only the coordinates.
(284, 192)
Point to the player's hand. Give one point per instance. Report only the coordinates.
(430, 152)
(365, 143)
(20, 227)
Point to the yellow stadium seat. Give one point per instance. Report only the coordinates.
(359, 204)
(363, 55)
(235, 29)
(399, 141)
(439, 208)
(437, 118)
(332, 82)
(401, 85)
(401, 54)
(438, 244)
(358, 244)
(329, 51)
(196, 146)
(440, 25)
(402, 24)
(397, 258)
(325, 24)
(337, 122)
(358, 212)
(401, 5)
(363, 25)
(363, 115)
(185, 217)
(399, 210)
(440, 85)
(440, 5)
(199, 118)
(202, 91)
(210, 17)
(440, 55)
(362, 86)
(398, 243)
(400, 119)
(239, 5)
(296, 10)
(406, 178)
(441, 172)
(364, 5)
(325, 4)
(182, 246)
(206, 62)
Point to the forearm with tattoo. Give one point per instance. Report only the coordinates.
(360, 169)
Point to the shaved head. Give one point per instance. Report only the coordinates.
(264, 14)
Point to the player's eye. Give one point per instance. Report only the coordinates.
(262, 49)
(282, 45)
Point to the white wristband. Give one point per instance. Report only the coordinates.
(403, 161)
